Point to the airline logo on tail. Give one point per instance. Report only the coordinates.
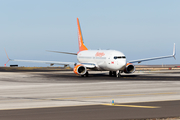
(82, 47)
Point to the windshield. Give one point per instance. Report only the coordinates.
(119, 57)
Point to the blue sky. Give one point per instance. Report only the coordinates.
(139, 29)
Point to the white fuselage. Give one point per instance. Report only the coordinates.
(110, 60)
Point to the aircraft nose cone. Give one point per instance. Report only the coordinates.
(122, 64)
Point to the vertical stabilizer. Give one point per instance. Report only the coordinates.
(82, 47)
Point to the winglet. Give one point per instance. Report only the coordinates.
(7, 58)
(82, 47)
(174, 51)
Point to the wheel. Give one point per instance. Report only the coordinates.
(82, 75)
(87, 74)
(110, 73)
(114, 73)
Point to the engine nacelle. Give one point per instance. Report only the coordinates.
(130, 68)
(80, 69)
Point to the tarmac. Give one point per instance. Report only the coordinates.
(64, 95)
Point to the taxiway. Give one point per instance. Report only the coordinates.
(63, 95)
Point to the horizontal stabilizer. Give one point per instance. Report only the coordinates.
(63, 52)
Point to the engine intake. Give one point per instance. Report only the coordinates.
(130, 68)
(80, 69)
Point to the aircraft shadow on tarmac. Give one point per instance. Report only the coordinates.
(103, 76)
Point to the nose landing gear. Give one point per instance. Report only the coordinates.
(118, 73)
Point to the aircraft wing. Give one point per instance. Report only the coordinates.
(88, 65)
(39, 61)
(155, 58)
(46, 62)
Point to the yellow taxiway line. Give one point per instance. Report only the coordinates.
(136, 106)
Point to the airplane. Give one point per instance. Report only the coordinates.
(102, 60)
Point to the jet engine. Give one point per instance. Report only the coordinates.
(80, 69)
(130, 68)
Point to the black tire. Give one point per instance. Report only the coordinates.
(110, 73)
(114, 73)
(87, 74)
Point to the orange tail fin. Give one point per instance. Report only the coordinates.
(82, 47)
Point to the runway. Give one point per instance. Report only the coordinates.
(63, 95)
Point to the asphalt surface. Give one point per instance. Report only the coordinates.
(97, 112)
(63, 95)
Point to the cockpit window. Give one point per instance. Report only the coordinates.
(119, 57)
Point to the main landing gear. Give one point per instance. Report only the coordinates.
(115, 73)
(86, 74)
